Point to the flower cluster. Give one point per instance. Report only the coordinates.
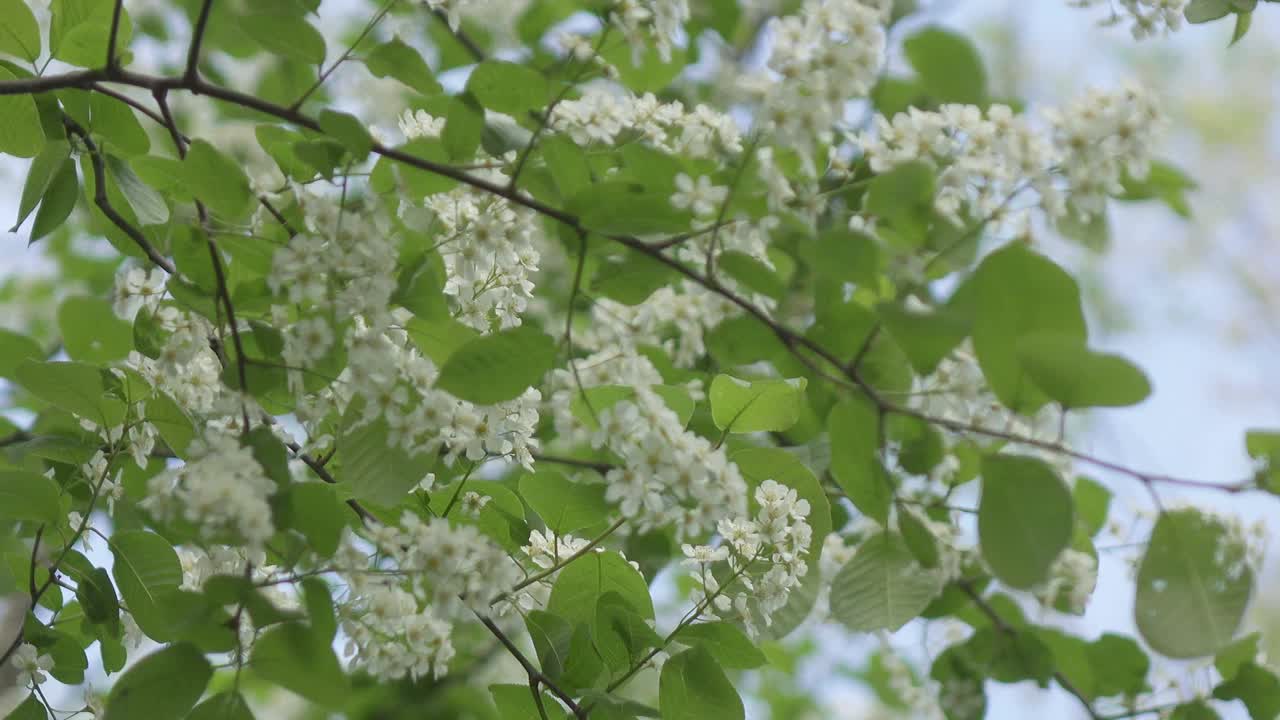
(404, 602)
(765, 557)
(668, 475)
(136, 288)
(986, 159)
(222, 491)
(605, 115)
(1146, 17)
(31, 665)
(645, 21)
(1071, 581)
(675, 318)
(490, 251)
(827, 55)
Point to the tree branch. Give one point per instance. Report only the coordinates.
(536, 677)
(192, 73)
(104, 204)
(112, 61)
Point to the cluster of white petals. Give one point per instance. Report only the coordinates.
(136, 288)
(985, 159)
(490, 251)
(221, 490)
(650, 22)
(765, 557)
(606, 115)
(823, 57)
(405, 600)
(1146, 18)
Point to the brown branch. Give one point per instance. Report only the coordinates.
(104, 204)
(536, 678)
(192, 73)
(793, 340)
(112, 61)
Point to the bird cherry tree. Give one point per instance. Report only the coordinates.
(410, 366)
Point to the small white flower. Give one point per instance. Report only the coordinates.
(31, 665)
(701, 196)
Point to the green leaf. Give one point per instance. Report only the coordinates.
(498, 367)
(397, 60)
(568, 164)
(43, 168)
(1257, 687)
(147, 204)
(854, 427)
(1163, 182)
(1077, 377)
(551, 636)
(75, 387)
(507, 87)
(1203, 11)
(372, 469)
(161, 686)
(918, 538)
(1092, 501)
(116, 123)
(439, 338)
(926, 338)
(286, 34)
(1016, 293)
(217, 180)
(316, 512)
(630, 278)
(97, 596)
(464, 124)
(904, 197)
(580, 584)
(223, 706)
(26, 495)
(1196, 710)
(565, 506)
(91, 331)
(80, 29)
(694, 687)
(1119, 665)
(742, 406)
(882, 587)
(30, 709)
(948, 65)
(14, 349)
(1231, 658)
(1193, 585)
(348, 130)
(618, 207)
(726, 642)
(20, 133)
(515, 702)
(1025, 518)
(19, 34)
(621, 635)
(146, 570)
(293, 656)
(58, 201)
(171, 422)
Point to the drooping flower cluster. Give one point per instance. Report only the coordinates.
(986, 159)
(1146, 18)
(675, 318)
(668, 476)
(823, 57)
(404, 602)
(1072, 579)
(222, 491)
(490, 251)
(642, 22)
(605, 115)
(765, 557)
